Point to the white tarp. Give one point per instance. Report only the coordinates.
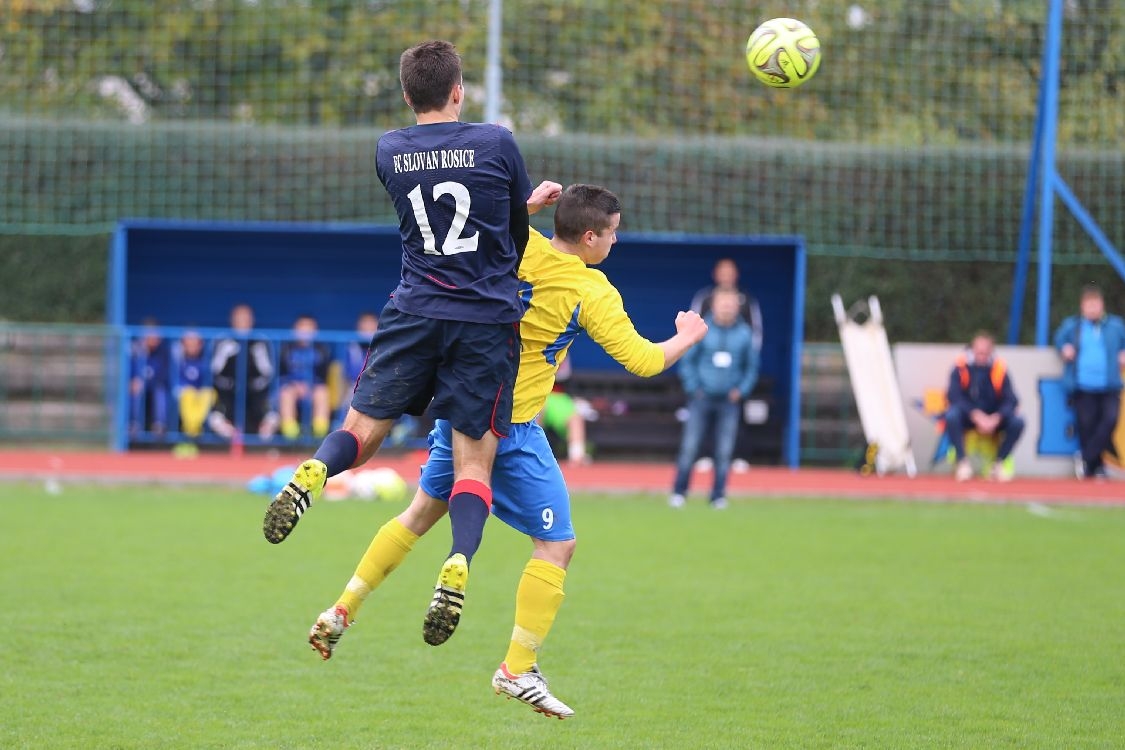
(872, 372)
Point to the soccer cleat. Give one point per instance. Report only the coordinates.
(531, 688)
(294, 499)
(1004, 470)
(327, 631)
(449, 597)
(676, 501)
(719, 503)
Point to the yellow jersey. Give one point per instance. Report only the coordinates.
(564, 297)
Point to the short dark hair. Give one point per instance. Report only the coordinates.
(428, 72)
(582, 208)
(1091, 290)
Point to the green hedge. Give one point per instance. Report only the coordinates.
(863, 210)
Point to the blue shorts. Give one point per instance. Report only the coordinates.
(464, 372)
(528, 491)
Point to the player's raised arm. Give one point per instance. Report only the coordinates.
(546, 193)
(603, 316)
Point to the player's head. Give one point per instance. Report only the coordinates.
(725, 273)
(152, 336)
(587, 217)
(304, 328)
(192, 343)
(430, 74)
(1092, 303)
(724, 306)
(241, 317)
(367, 323)
(981, 346)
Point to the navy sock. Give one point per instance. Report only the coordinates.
(469, 506)
(338, 451)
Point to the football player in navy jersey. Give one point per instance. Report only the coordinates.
(449, 336)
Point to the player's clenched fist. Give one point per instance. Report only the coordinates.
(546, 193)
(689, 324)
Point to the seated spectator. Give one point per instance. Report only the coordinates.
(353, 359)
(725, 275)
(304, 380)
(233, 358)
(981, 398)
(149, 382)
(193, 390)
(717, 374)
(1092, 344)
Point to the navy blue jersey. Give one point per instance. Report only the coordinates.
(354, 358)
(306, 362)
(191, 371)
(454, 186)
(151, 364)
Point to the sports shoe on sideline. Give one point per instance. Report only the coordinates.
(1004, 471)
(964, 470)
(294, 499)
(327, 631)
(449, 597)
(530, 688)
(676, 501)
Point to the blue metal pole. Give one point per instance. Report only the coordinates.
(1086, 221)
(792, 445)
(117, 342)
(1051, 50)
(1023, 257)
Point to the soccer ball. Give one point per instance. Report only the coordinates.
(783, 53)
(382, 484)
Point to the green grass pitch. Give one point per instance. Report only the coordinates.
(146, 617)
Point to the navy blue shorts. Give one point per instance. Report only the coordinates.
(464, 372)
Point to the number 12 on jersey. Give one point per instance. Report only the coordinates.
(453, 243)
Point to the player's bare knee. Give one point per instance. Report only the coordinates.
(369, 431)
(556, 553)
(422, 513)
(473, 459)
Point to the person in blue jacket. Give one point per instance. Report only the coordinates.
(718, 373)
(1092, 344)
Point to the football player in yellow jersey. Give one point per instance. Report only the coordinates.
(562, 297)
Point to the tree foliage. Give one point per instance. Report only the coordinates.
(894, 71)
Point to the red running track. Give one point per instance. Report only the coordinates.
(656, 478)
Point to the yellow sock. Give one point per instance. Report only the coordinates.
(320, 426)
(291, 428)
(538, 598)
(386, 551)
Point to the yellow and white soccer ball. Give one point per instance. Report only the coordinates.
(783, 53)
(383, 484)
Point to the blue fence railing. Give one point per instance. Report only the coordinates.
(200, 386)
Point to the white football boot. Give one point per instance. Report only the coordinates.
(328, 630)
(531, 688)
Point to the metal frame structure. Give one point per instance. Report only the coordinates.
(1044, 182)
